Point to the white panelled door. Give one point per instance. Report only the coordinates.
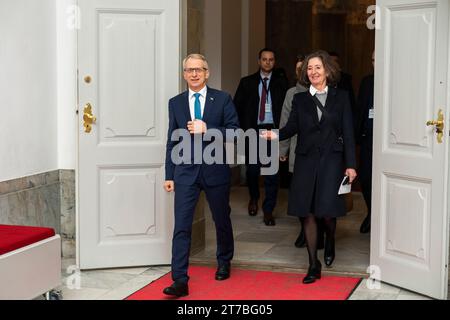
(129, 52)
(409, 241)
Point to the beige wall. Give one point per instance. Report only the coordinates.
(213, 41)
(257, 32)
(234, 32)
(231, 45)
(195, 24)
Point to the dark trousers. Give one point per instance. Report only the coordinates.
(365, 171)
(186, 198)
(270, 187)
(270, 182)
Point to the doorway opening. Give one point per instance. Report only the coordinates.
(290, 28)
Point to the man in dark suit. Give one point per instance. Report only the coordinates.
(346, 83)
(259, 101)
(198, 110)
(364, 137)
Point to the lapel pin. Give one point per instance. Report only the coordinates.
(212, 99)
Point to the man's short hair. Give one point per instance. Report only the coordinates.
(333, 54)
(300, 57)
(266, 50)
(197, 56)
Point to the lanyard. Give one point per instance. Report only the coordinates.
(264, 87)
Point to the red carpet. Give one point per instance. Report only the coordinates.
(251, 285)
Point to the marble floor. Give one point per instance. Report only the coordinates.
(257, 247)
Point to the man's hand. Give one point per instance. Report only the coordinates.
(283, 158)
(169, 186)
(196, 127)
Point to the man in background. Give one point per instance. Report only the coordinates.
(259, 101)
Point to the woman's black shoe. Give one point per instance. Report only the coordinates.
(365, 225)
(301, 241)
(314, 273)
(329, 252)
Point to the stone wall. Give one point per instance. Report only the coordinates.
(43, 200)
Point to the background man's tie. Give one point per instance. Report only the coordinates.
(262, 107)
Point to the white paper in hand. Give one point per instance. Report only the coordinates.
(345, 187)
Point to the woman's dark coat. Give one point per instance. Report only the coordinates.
(324, 151)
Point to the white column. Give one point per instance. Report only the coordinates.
(66, 25)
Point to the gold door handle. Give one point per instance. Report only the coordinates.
(88, 118)
(439, 124)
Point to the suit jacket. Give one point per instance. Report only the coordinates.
(247, 98)
(324, 150)
(220, 114)
(346, 83)
(364, 126)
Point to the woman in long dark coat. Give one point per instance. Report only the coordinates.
(325, 153)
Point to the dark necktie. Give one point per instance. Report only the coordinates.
(262, 107)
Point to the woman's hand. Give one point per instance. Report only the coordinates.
(268, 135)
(351, 173)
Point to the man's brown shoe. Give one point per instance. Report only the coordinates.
(253, 208)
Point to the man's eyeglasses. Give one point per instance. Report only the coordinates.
(196, 70)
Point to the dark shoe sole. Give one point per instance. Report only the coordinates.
(269, 223)
(221, 278)
(311, 280)
(171, 294)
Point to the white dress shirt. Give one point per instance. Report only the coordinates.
(313, 90)
(202, 98)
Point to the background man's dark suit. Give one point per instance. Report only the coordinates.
(364, 137)
(247, 102)
(247, 98)
(190, 179)
(346, 83)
